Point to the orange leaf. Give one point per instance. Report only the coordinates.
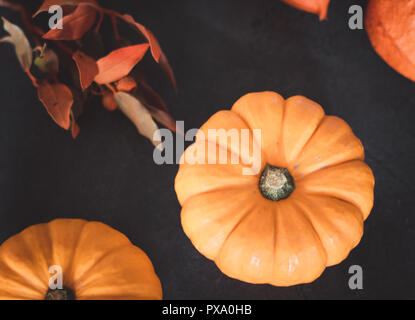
(119, 63)
(58, 100)
(156, 51)
(318, 7)
(155, 47)
(108, 101)
(48, 3)
(21, 44)
(87, 68)
(75, 25)
(75, 129)
(126, 84)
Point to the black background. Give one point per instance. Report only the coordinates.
(219, 50)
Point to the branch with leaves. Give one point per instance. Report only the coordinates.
(67, 70)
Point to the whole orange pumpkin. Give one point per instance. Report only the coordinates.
(390, 25)
(302, 211)
(318, 7)
(96, 261)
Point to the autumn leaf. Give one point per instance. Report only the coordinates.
(21, 44)
(155, 47)
(150, 97)
(75, 129)
(87, 68)
(108, 101)
(140, 116)
(318, 7)
(156, 51)
(119, 63)
(48, 3)
(164, 118)
(57, 99)
(165, 66)
(75, 25)
(126, 84)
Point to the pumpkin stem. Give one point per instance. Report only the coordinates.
(60, 294)
(276, 183)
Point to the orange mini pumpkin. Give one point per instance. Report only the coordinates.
(97, 262)
(390, 25)
(302, 211)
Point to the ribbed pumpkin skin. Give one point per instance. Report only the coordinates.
(289, 241)
(318, 7)
(97, 261)
(390, 26)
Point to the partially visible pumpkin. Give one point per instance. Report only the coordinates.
(318, 7)
(302, 211)
(97, 263)
(390, 25)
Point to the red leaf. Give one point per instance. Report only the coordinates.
(108, 101)
(156, 51)
(150, 97)
(164, 118)
(48, 3)
(155, 47)
(119, 63)
(58, 100)
(87, 68)
(75, 129)
(165, 66)
(126, 84)
(75, 25)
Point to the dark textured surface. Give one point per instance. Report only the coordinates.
(219, 50)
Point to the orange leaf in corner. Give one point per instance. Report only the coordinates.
(87, 68)
(48, 3)
(318, 7)
(57, 99)
(75, 25)
(119, 63)
(390, 26)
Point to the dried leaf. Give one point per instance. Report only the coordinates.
(21, 44)
(87, 68)
(48, 3)
(140, 116)
(155, 47)
(150, 97)
(75, 129)
(156, 51)
(119, 63)
(318, 7)
(108, 101)
(126, 84)
(57, 99)
(164, 118)
(165, 66)
(75, 25)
